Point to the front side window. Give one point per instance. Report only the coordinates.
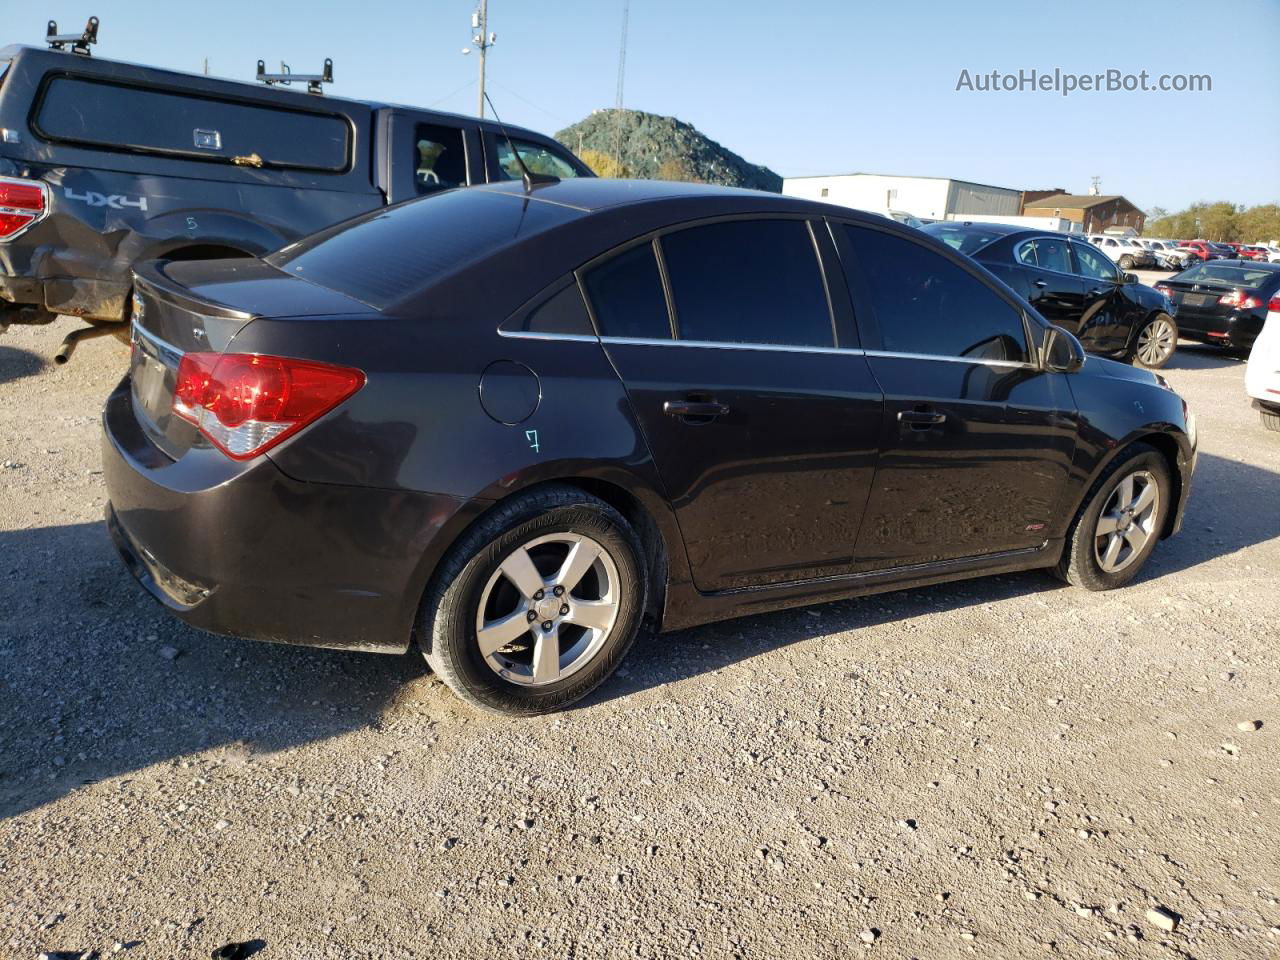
(440, 160)
(748, 281)
(1093, 264)
(925, 304)
(627, 297)
(538, 158)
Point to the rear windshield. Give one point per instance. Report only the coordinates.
(389, 254)
(1233, 276)
(965, 238)
(91, 112)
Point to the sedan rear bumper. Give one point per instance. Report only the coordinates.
(247, 551)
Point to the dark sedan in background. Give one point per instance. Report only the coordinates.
(1074, 285)
(1223, 302)
(512, 424)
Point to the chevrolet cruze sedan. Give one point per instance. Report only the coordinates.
(514, 424)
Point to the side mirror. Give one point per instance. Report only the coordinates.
(1128, 278)
(1062, 352)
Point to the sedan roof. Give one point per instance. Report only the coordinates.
(591, 194)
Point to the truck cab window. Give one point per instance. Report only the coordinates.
(441, 159)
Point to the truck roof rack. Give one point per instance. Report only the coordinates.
(286, 76)
(79, 41)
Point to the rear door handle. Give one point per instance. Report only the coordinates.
(921, 419)
(1095, 293)
(694, 408)
(1041, 284)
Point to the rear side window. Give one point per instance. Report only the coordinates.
(562, 312)
(626, 295)
(90, 112)
(748, 281)
(440, 159)
(925, 304)
(391, 253)
(1046, 253)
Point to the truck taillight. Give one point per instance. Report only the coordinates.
(246, 403)
(1240, 300)
(22, 203)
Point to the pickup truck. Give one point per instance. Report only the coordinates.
(104, 164)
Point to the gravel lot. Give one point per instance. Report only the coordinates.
(1005, 767)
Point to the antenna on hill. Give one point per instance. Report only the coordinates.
(622, 76)
(530, 179)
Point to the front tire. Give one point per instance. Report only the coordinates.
(537, 605)
(1126, 262)
(1270, 420)
(1120, 521)
(1156, 341)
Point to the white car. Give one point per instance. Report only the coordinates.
(1273, 252)
(1166, 253)
(1262, 376)
(1125, 251)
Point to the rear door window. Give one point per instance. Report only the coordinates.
(748, 281)
(440, 158)
(91, 112)
(1045, 253)
(925, 304)
(627, 297)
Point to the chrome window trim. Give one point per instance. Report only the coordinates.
(1016, 364)
(549, 335)
(727, 345)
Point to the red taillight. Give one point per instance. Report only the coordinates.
(246, 403)
(1274, 305)
(1240, 300)
(22, 203)
(1165, 289)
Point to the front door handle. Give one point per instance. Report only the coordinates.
(1041, 283)
(694, 408)
(1096, 293)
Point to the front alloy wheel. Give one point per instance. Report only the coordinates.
(1157, 341)
(1127, 522)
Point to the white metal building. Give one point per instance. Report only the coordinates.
(931, 198)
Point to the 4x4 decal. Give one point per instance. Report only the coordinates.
(116, 201)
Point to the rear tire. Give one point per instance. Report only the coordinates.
(554, 558)
(1270, 420)
(1156, 341)
(1126, 262)
(1115, 531)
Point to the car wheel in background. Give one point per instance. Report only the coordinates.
(1270, 420)
(1156, 341)
(1126, 262)
(1120, 521)
(536, 605)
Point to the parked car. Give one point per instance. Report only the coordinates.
(1074, 285)
(1223, 302)
(603, 402)
(1273, 252)
(106, 164)
(1207, 251)
(1168, 256)
(1125, 251)
(1245, 251)
(1262, 375)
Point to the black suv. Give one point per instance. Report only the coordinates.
(104, 164)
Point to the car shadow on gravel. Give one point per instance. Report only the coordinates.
(88, 690)
(1208, 532)
(16, 363)
(1203, 357)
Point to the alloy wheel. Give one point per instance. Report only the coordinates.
(1127, 521)
(548, 609)
(1156, 342)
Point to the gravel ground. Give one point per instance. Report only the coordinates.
(1005, 767)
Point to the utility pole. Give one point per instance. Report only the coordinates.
(482, 40)
(622, 76)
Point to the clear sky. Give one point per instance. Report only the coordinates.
(823, 86)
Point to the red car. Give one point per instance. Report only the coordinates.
(1204, 249)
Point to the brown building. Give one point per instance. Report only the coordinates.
(1094, 214)
(1031, 196)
